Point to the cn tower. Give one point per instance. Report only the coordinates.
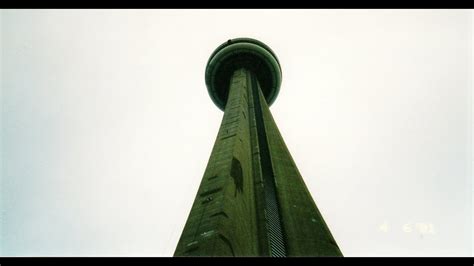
(252, 200)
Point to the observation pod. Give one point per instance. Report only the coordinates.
(247, 53)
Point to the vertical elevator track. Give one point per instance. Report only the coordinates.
(276, 239)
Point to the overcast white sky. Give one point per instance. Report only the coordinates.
(107, 125)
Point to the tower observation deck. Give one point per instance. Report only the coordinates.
(252, 200)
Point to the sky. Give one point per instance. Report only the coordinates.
(107, 126)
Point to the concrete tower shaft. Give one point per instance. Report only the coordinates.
(252, 200)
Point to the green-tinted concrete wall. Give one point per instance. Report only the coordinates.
(252, 200)
(222, 221)
(306, 232)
